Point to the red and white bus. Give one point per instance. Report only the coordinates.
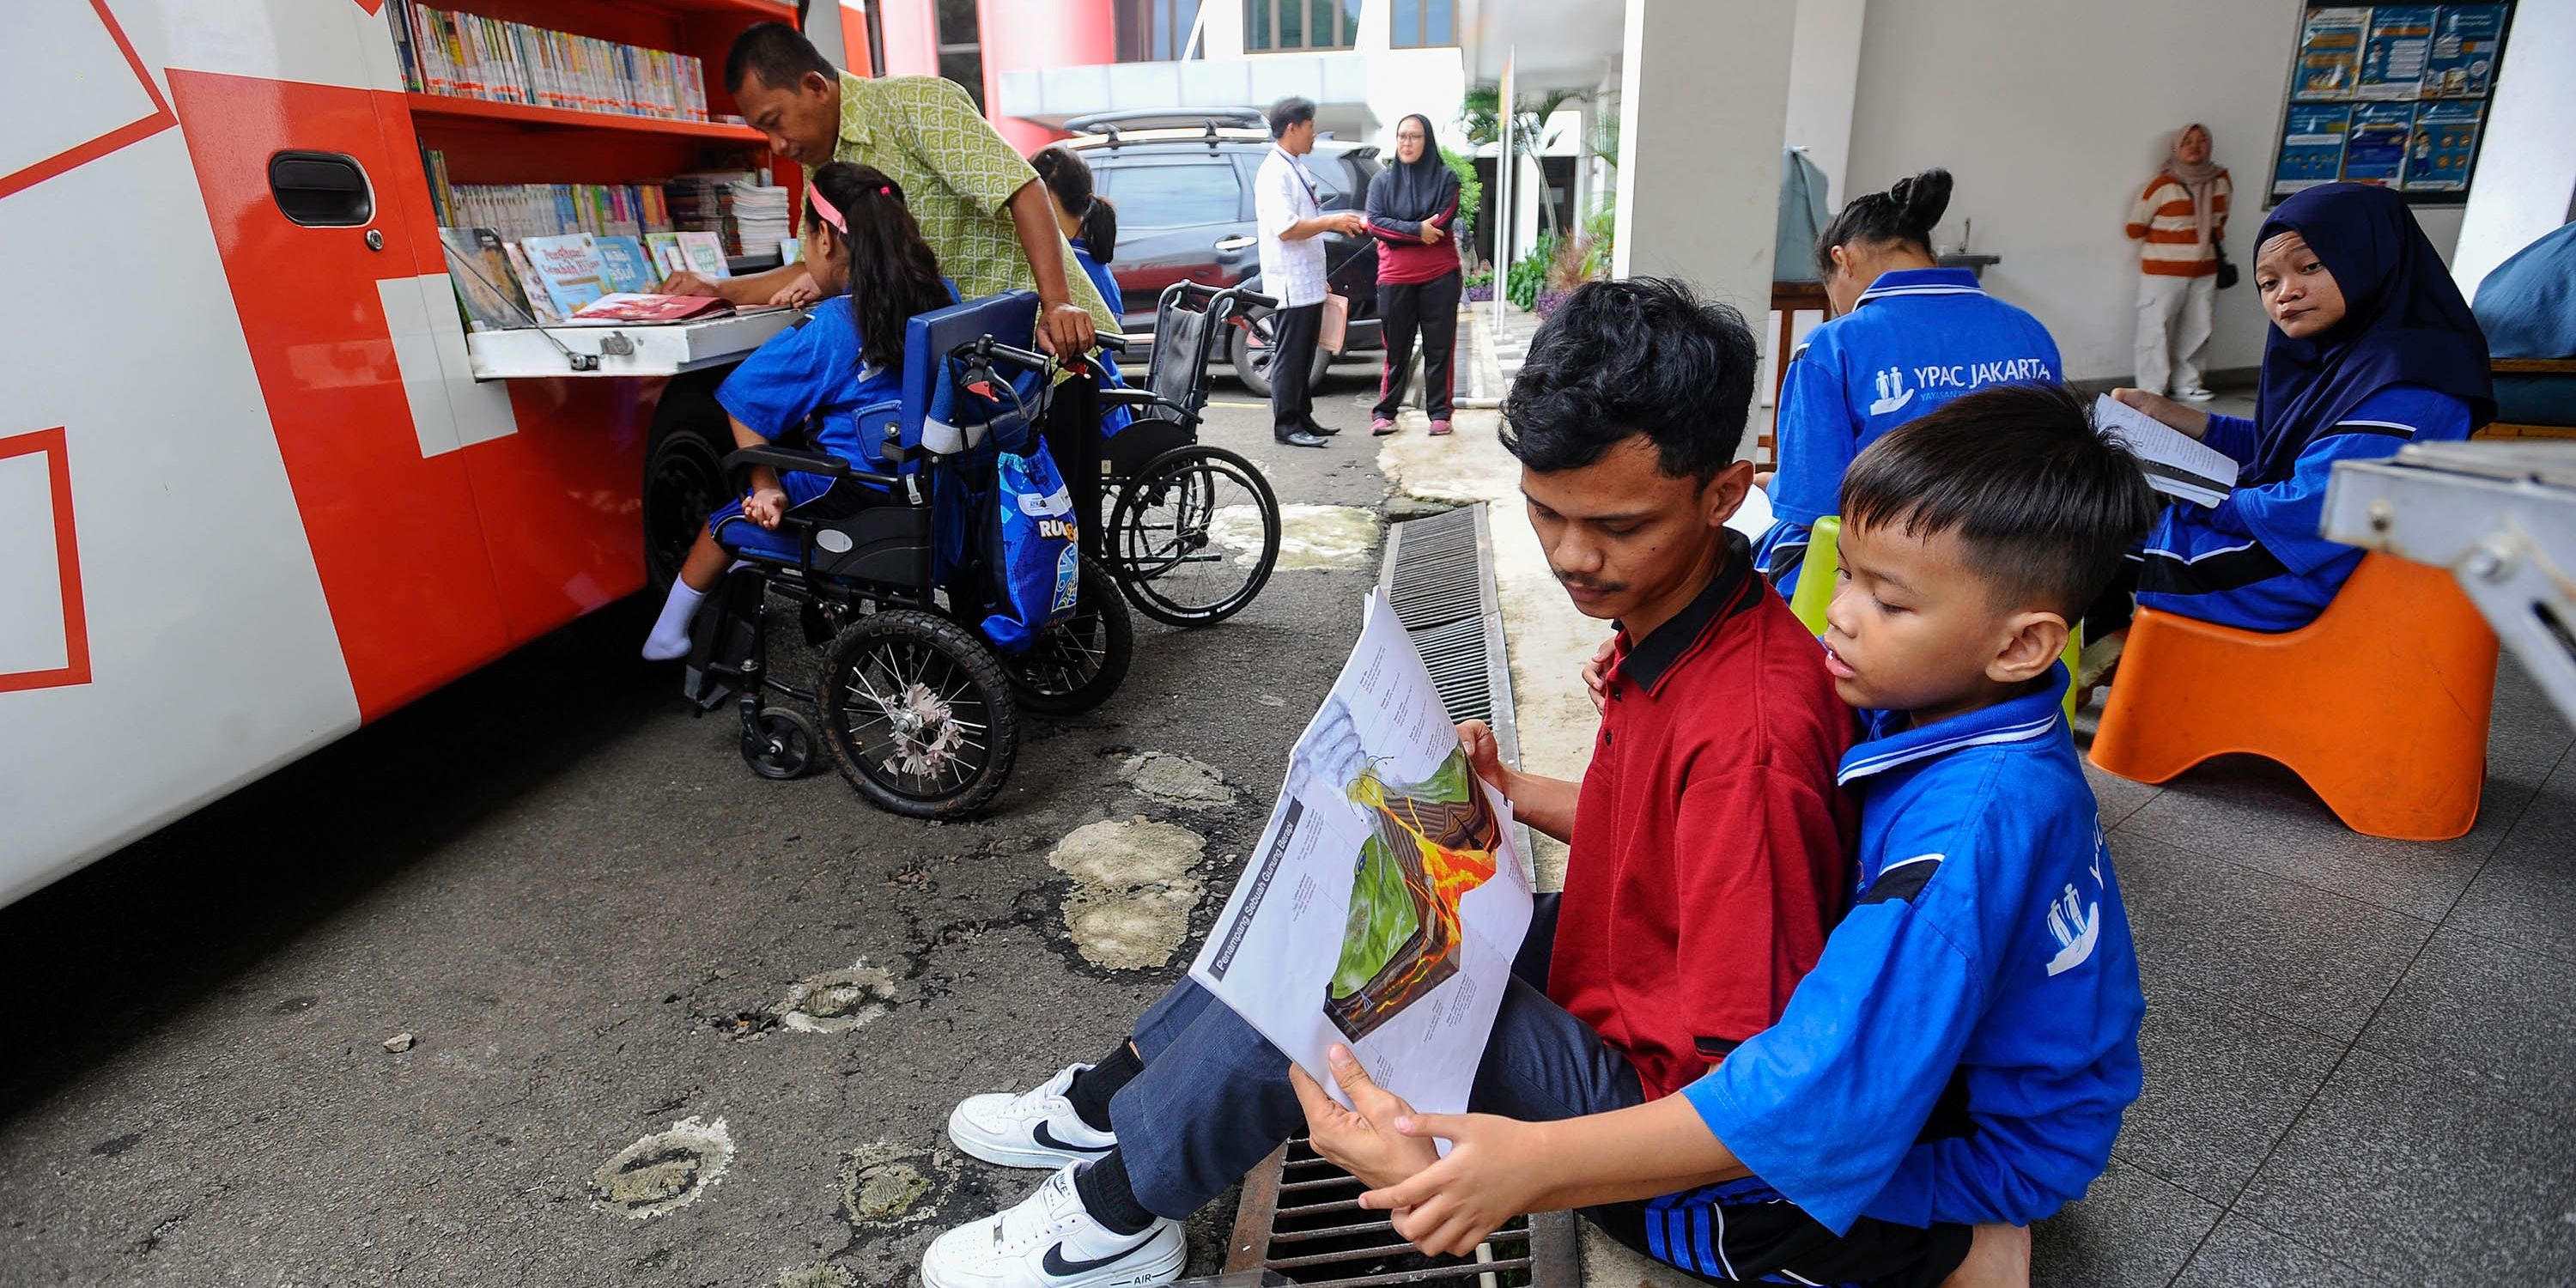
(258, 486)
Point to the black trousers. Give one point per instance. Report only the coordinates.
(1430, 308)
(1293, 335)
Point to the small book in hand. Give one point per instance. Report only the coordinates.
(627, 308)
(2176, 464)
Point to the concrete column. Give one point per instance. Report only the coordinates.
(2527, 167)
(1824, 79)
(1700, 122)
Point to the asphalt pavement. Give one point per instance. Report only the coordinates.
(667, 1022)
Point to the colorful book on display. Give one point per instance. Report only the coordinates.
(531, 286)
(486, 288)
(627, 307)
(569, 267)
(668, 258)
(2177, 464)
(705, 254)
(790, 250)
(627, 268)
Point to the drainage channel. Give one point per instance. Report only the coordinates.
(1300, 1217)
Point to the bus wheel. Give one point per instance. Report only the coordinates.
(683, 482)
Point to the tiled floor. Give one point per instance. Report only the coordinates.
(2360, 1054)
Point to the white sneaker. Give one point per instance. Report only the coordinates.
(1036, 1128)
(2194, 394)
(1049, 1241)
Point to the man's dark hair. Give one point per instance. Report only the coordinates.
(778, 54)
(1289, 112)
(2047, 505)
(1640, 356)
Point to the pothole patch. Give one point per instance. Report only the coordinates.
(882, 1183)
(1132, 890)
(837, 1001)
(665, 1171)
(1310, 536)
(821, 1274)
(1176, 780)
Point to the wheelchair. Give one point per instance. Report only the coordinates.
(1193, 530)
(918, 708)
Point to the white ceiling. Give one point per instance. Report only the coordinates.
(1566, 44)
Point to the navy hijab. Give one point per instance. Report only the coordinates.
(2404, 324)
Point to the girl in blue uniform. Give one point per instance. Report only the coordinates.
(1089, 222)
(868, 257)
(2371, 348)
(1907, 336)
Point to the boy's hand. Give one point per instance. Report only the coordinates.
(1596, 674)
(765, 506)
(1362, 1143)
(1485, 755)
(1998, 1257)
(1491, 1175)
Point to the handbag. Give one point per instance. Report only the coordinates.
(1336, 326)
(2226, 269)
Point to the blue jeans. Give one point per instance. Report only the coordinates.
(1214, 1100)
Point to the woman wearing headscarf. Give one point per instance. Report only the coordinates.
(2371, 348)
(1412, 205)
(2181, 216)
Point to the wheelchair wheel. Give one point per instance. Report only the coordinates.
(786, 746)
(918, 714)
(1194, 536)
(1075, 666)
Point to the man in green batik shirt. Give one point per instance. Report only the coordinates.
(979, 203)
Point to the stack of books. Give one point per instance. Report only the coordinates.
(738, 206)
(760, 218)
(466, 55)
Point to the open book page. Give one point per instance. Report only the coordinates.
(1387, 897)
(2177, 464)
(631, 308)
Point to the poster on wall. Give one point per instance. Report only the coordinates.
(2375, 149)
(2329, 54)
(2446, 139)
(2311, 147)
(2462, 61)
(2401, 43)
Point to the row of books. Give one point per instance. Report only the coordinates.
(466, 55)
(521, 210)
(503, 283)
(736, 205)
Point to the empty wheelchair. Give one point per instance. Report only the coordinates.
(1193, 531)
(891, 575)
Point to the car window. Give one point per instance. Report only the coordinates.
(1173, 196)
(1333, 187)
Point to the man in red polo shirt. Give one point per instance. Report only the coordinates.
(1709, 843)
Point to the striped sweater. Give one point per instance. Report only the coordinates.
(2162, 217)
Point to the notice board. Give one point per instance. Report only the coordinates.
(2392, 94)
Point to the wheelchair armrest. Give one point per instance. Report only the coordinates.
(1137, 398)
(1109, 343)
(788, 458)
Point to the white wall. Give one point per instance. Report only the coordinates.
(1824, 77)
(2052, 113)
(2527, 167)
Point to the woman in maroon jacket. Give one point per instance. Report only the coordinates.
(1412, 206)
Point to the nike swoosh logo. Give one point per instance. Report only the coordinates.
(1047, 1138)
(1055, 1264)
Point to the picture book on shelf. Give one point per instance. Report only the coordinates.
(486, 288)
(530, 285)
(790, 250)
(705, 254)
(665, 250)
(569, 267)
(626, 307)
(624, 262)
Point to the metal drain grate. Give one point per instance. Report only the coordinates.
(1300, 1216)
(1439, 574)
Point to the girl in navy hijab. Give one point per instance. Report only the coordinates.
(2371, 348)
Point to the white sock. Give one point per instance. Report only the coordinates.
(670, 637)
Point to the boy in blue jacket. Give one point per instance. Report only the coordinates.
(1962, 1052)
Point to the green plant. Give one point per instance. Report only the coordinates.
(1481, 277)
(1471, 190)
(1529, 273)
(1599, 229)
(1605, 140)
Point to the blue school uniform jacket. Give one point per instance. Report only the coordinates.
(1100, 278)
(812, 371)
(2254, 560)
(1984, 972)
(1918, 338)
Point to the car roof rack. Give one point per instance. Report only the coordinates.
(1207, 120)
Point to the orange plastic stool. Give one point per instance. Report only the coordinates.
(2380, 705)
